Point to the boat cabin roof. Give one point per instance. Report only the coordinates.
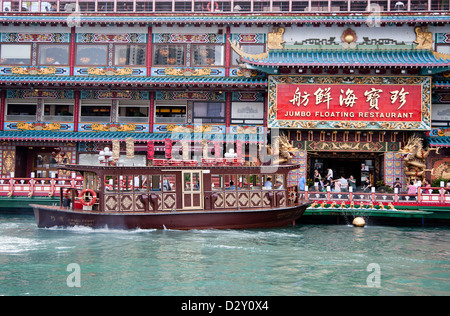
(126, 170)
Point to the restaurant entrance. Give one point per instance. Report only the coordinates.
(360, 165)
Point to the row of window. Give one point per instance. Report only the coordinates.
(128, 111)
(124, 54)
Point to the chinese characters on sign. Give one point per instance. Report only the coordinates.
(363, 102)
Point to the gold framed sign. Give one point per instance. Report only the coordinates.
(350, 102)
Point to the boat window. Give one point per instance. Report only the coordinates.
(279, 182)
(267, 180)
(145, 183)
(217, 182)
(244, 183)
(192, 181)
(195, 181)
(111, 184)
(155, 183)
(230, 182)
(254, 182)
(169, 182)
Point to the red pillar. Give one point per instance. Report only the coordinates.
(2, 108)
(151, 112)
(76, 111)
(227, 52)
(72, 50)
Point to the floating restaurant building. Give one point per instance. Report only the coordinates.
(348, 82)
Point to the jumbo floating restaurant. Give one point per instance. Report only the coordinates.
(347, 81)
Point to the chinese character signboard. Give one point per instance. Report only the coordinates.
(334, 102)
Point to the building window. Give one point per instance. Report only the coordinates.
(58, 111)
(15, 54)
(207, 55)
(95, 111)
(209, 112)
(170, 112)
(92, 55)
(133, 111)
(248, 48)
(53, 54)
(169, 55)
(21, 110)
(129, 55)
(247, 113)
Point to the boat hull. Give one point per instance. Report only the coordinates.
(51, 216)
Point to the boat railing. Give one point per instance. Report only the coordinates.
(222, 6)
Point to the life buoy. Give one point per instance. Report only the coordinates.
(216, 5)
(292, 196)
(82, 196)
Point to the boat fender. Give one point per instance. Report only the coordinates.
(154, 202)
(84, 202)
(214, 197)
(278, 197)
(144, 199)
(270, 198)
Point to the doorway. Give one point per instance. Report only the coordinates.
(41, 161)
(192, 190)
(361, 166)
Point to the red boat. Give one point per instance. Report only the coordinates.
(176, 197)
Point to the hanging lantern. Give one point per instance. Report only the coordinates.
(150, 151)
(130, 147)
(168, 148)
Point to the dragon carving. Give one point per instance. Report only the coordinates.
(281, 150)
(414, 158)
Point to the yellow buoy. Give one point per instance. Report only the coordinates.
(359, 222)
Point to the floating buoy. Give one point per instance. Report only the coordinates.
(359, 222)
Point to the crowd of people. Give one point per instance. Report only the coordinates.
(341, 184)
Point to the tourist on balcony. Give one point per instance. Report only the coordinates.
(352, 182)
(344, 184)
(366, 187)
(412, 189)
(329, 174)
(427, 185)
(317, 180)
(301, 183)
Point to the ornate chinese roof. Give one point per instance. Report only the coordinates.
(122, 136)
(134, 80)
(348, 57)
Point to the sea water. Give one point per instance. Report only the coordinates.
(301, 260)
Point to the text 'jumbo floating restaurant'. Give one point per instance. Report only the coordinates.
(348, 82)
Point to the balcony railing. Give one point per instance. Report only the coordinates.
(225, 6)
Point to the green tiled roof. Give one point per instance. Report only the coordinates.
(122, 136)
(133, 80)
(350, 57)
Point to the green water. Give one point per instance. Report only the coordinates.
(305, 260)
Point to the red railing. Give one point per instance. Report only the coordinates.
(438, 196)
(43, 187)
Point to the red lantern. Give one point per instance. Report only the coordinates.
(150, 150)
(168, 148)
